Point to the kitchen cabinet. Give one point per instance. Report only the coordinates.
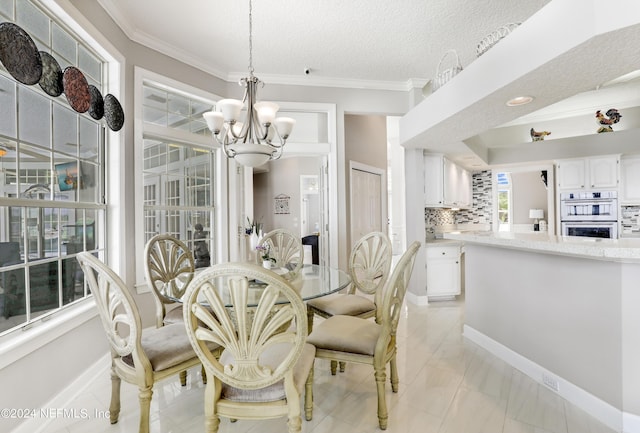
(597, 172)
(443, 269)
(447, 185)
(630, 180)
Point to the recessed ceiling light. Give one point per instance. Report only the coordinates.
(519, 100)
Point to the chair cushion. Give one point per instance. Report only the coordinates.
(346, 334)
(173, 316)
(338, 303)
(271, 357)
(165, 347)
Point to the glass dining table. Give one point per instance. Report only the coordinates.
(312, 281)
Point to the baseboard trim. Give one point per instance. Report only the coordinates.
(599, 409)
(630, 423)
(420, 300)
(64, 398)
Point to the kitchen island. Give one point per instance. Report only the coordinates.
(563, 310)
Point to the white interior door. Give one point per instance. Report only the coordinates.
(368, 201)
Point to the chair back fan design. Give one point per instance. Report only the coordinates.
(245, 335)
(169, 270)
(285, 248)
(138, 356)
(117, 308)
(396, 288)
(370, 262)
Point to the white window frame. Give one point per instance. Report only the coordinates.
(16, 345)
(220, 169)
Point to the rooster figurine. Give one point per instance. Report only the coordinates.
(612, 116)
(538, 136)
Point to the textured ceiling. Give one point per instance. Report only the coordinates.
(379, 43)
(383, 44)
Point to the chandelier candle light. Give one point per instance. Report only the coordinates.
(262, 136)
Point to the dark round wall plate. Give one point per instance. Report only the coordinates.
(19, 54)
(51, 80)
(113, 113)
(76, 89)
(96, 110)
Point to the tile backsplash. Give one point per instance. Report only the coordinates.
(480, 213)
(630, 221)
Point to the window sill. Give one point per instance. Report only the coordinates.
(18, 344)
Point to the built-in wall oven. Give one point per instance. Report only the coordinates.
(591, 214)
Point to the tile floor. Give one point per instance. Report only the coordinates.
(447, 385)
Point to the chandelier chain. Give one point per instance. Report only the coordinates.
(250, 37)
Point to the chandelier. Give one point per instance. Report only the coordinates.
(262, 136)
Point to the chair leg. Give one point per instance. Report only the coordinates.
(295, 424)
(394, 374)
(342, 366)
(310, 315)
(381, 378)
(144, 395)
(308, 397)
(114, 406)
(334, 367)
(211, 424)
(183, 378)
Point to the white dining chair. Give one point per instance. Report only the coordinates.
(358, 340)
(266, 364)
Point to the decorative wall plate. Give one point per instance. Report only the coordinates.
(76, 89)
(51, 79)
(19, 54)
(96, 110)
(113, 113)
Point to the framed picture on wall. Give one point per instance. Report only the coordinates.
(281, 204)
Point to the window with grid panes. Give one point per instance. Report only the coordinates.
(177, 174)
(51, 178)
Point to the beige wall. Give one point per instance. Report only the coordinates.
(528, 192)
(365, 143)
(283, 177)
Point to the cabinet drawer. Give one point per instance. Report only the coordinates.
(452, 252)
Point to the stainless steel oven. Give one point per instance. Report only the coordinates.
(590, 214)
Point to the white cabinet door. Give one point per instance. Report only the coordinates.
(630, 180)
(446, 183)
(443, 271)
(571, 174)
(592, 173)
(450, 183)
(466, 189)
(603, 172)
(433, 188)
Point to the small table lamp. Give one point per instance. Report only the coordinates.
(537, 215)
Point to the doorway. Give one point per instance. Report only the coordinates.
(368, 198)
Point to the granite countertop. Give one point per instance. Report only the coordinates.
(625, 250)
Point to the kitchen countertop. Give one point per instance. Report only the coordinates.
(623, 250)
(442, 242)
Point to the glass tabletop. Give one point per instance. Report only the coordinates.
(313, 281)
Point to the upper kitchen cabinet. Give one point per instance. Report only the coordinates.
(630, 180)
(447, 185)
(597, 172)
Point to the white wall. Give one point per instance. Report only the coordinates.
(563, 313)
